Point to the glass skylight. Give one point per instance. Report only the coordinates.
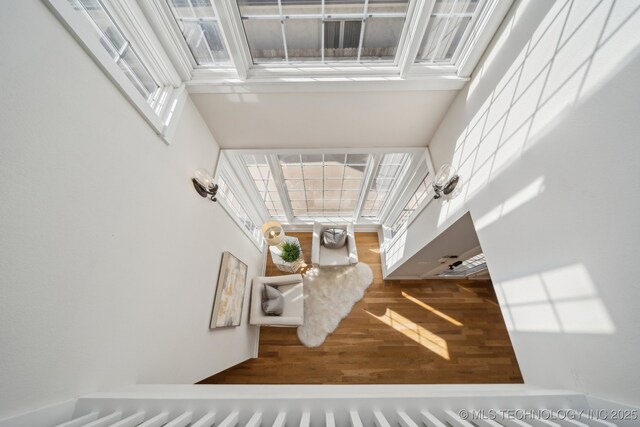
(447, 29)
(118, 47)
(199, 25)
(323, 30)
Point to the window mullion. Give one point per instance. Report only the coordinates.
(444, 31)
(278, 178)
(232, 31)
(284, 35)
(322, 32)
(364, 24)
(370, 174)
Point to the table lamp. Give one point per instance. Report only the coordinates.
(272, 233)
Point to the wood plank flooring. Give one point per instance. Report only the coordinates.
(409, 332)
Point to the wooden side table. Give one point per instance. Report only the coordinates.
(282, 265)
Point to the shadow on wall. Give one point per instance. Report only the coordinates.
(548, 153)
(573, 52)
(576, 48)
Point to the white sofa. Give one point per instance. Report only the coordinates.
(292, 288)
(325, 257)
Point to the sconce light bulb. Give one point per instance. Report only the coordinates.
(203, 178)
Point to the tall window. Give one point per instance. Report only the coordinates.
(119, 48)
(323, 30)
(265, 184)
(386, 177)
(415, 201)
(238, 212)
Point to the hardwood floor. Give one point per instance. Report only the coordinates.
(418, 332)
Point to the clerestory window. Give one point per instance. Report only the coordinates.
(123, 50)
(118, 47)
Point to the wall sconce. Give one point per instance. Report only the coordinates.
(445, 181)
(204, 185)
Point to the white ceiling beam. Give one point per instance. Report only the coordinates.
(327, 84)
(233, 32)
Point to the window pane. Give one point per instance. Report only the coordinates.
(416, 200)
(258, 7)
(213, 38)
(381, 38)
(357, 159)
(303, 39)
(382, 185)
(337, 7)
(264, 182)
(342, 39)
(236, 209)
(198, 22)
(323, 189)
(265, 39)
(137, 73)
(112, 39)
(446, 29)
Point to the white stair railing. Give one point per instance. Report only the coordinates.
(264, 407)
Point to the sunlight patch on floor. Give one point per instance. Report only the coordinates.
(415, 332)
(431, 309)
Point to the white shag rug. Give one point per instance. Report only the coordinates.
(329, 295)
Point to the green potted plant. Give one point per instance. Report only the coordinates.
(289, 251)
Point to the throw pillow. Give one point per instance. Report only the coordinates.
(334, 238)
(272, 301)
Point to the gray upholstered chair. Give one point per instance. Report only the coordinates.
(325, 257)
(292, 288)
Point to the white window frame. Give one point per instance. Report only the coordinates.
(417, 177)
(239, 192)
(172, 92)
(402, 72)
(254, 201)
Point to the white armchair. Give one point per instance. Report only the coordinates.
(322, 256)
(292, 288)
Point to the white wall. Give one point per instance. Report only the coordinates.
(545, 137)
(324, 119)
(109, 258)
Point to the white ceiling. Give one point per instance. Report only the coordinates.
(324, 119)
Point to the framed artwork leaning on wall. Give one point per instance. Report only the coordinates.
(227, 305)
